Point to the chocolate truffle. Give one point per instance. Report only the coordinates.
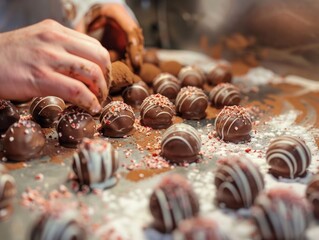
(312, 194)
(150, 56)
(74, 125)
(181, 143)
(191, 103)
(148, 72)
(46, 110)
(135, 94)
(23, 140)
(122, 76)
(224, 94)
(172, 67)
(7, 192)
(280, 214)
(233, 124)
(288, 157)
(117, 119)
(219, 74)
(238, 182)
(191, 76)
(8, 115)
(167, 85)
(95, 163)
(172, 201)
(157, 112)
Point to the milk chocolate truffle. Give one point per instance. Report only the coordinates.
(7, 192)
(135, 94)
(224, 94)
(117, 119)
(191, 76)
(23, 140)
(172, 67)
(172, 201)
(150, 56)
(191, 103)
(233, 124)
(312, 194)
(238, 182)
(46, 110)
(167, 85)
(280, 214)
(8, 115)
(148, 72)
(288, 157)
(157, 112)
(219, 74)
(95, 163)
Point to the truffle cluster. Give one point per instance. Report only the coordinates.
(191, 76)
(135, 94)
(224, 94)
(8, 115)
(219, 74)
(7, 192)
(167, 85)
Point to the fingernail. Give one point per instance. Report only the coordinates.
(96, 108)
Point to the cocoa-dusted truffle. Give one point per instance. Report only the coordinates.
(181, 143)
(148, 72)
(122, 76)
(117, 119)
(46, 110)
(238, 182)
(167, 85)
(23, 140)
(312, 194)
(220, 73)
(95, 163)
(191, 103)
(191, 76)
(288, 157)
(233, 124)
(172, 201)
(8, 115)
(7, 192)
(224, 94)
(172, 67)
(150, 56)
(157, 112)
(135, 94)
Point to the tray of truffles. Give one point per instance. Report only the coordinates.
(189, 150)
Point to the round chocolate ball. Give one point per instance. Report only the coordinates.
(23, 141)
(46, 110)
(95, 163)
(181, 144)
(312, 194)
(191, 103)
(148, 72)
(157, 112)
(150, 56)
(224, 94)
(172, 201)
(117, 119)
(7, 192)
(8, 115)
(219, 74)
(191, 76)
(135, 94)
(171, 66)
(233, 124)
(167, 85)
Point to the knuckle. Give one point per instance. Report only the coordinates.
(51, 35)
(75, 90)
(50, 23)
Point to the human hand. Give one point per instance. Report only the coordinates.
(49, 59)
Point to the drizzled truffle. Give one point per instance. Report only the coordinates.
(157, 112)
(23, 140)
(167, 85)
(238, 182)
(135, 94)
(224, 94)
(191, 103)
(117, 119)
(312, 194)
(288, 157)
(181, 143)
(219, 74)
(233, 124)
(172, 201)
(95, 163)
(7, 192)
(191, 76)
(46, 110)
(8, 115)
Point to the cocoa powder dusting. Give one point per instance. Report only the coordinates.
(122, 75)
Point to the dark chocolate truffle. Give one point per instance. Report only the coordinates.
(288, 157)
(233, 124)
(172, 201)
(238, 182)
(181, 143)
(312, 194)
(157, 112)
(135, 94)
(191, 103)
(280, 214)
(224, 94)
(7, 192)
(8, 115)
(150, 56)
(167, 85)
(117, 119)
(148, 72)
(23, 140)
(191, 76)
(219, 74)
(95, 163)
(46, 110)
(172, 67)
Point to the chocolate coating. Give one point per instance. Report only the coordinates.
(224, 94)
(312, 194)
(7, 192)
(117, 119)
(172, 201)
(157, 112)
(135, 94)
(46, 110)
(233, 124)
(23, 140)
(191, 103)
(219, 74)
(238, 182)
(288, 157)
(181, 143)
(191, 76)
(172, 67)
(8, 115)
(167, 85)
(106, 101)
